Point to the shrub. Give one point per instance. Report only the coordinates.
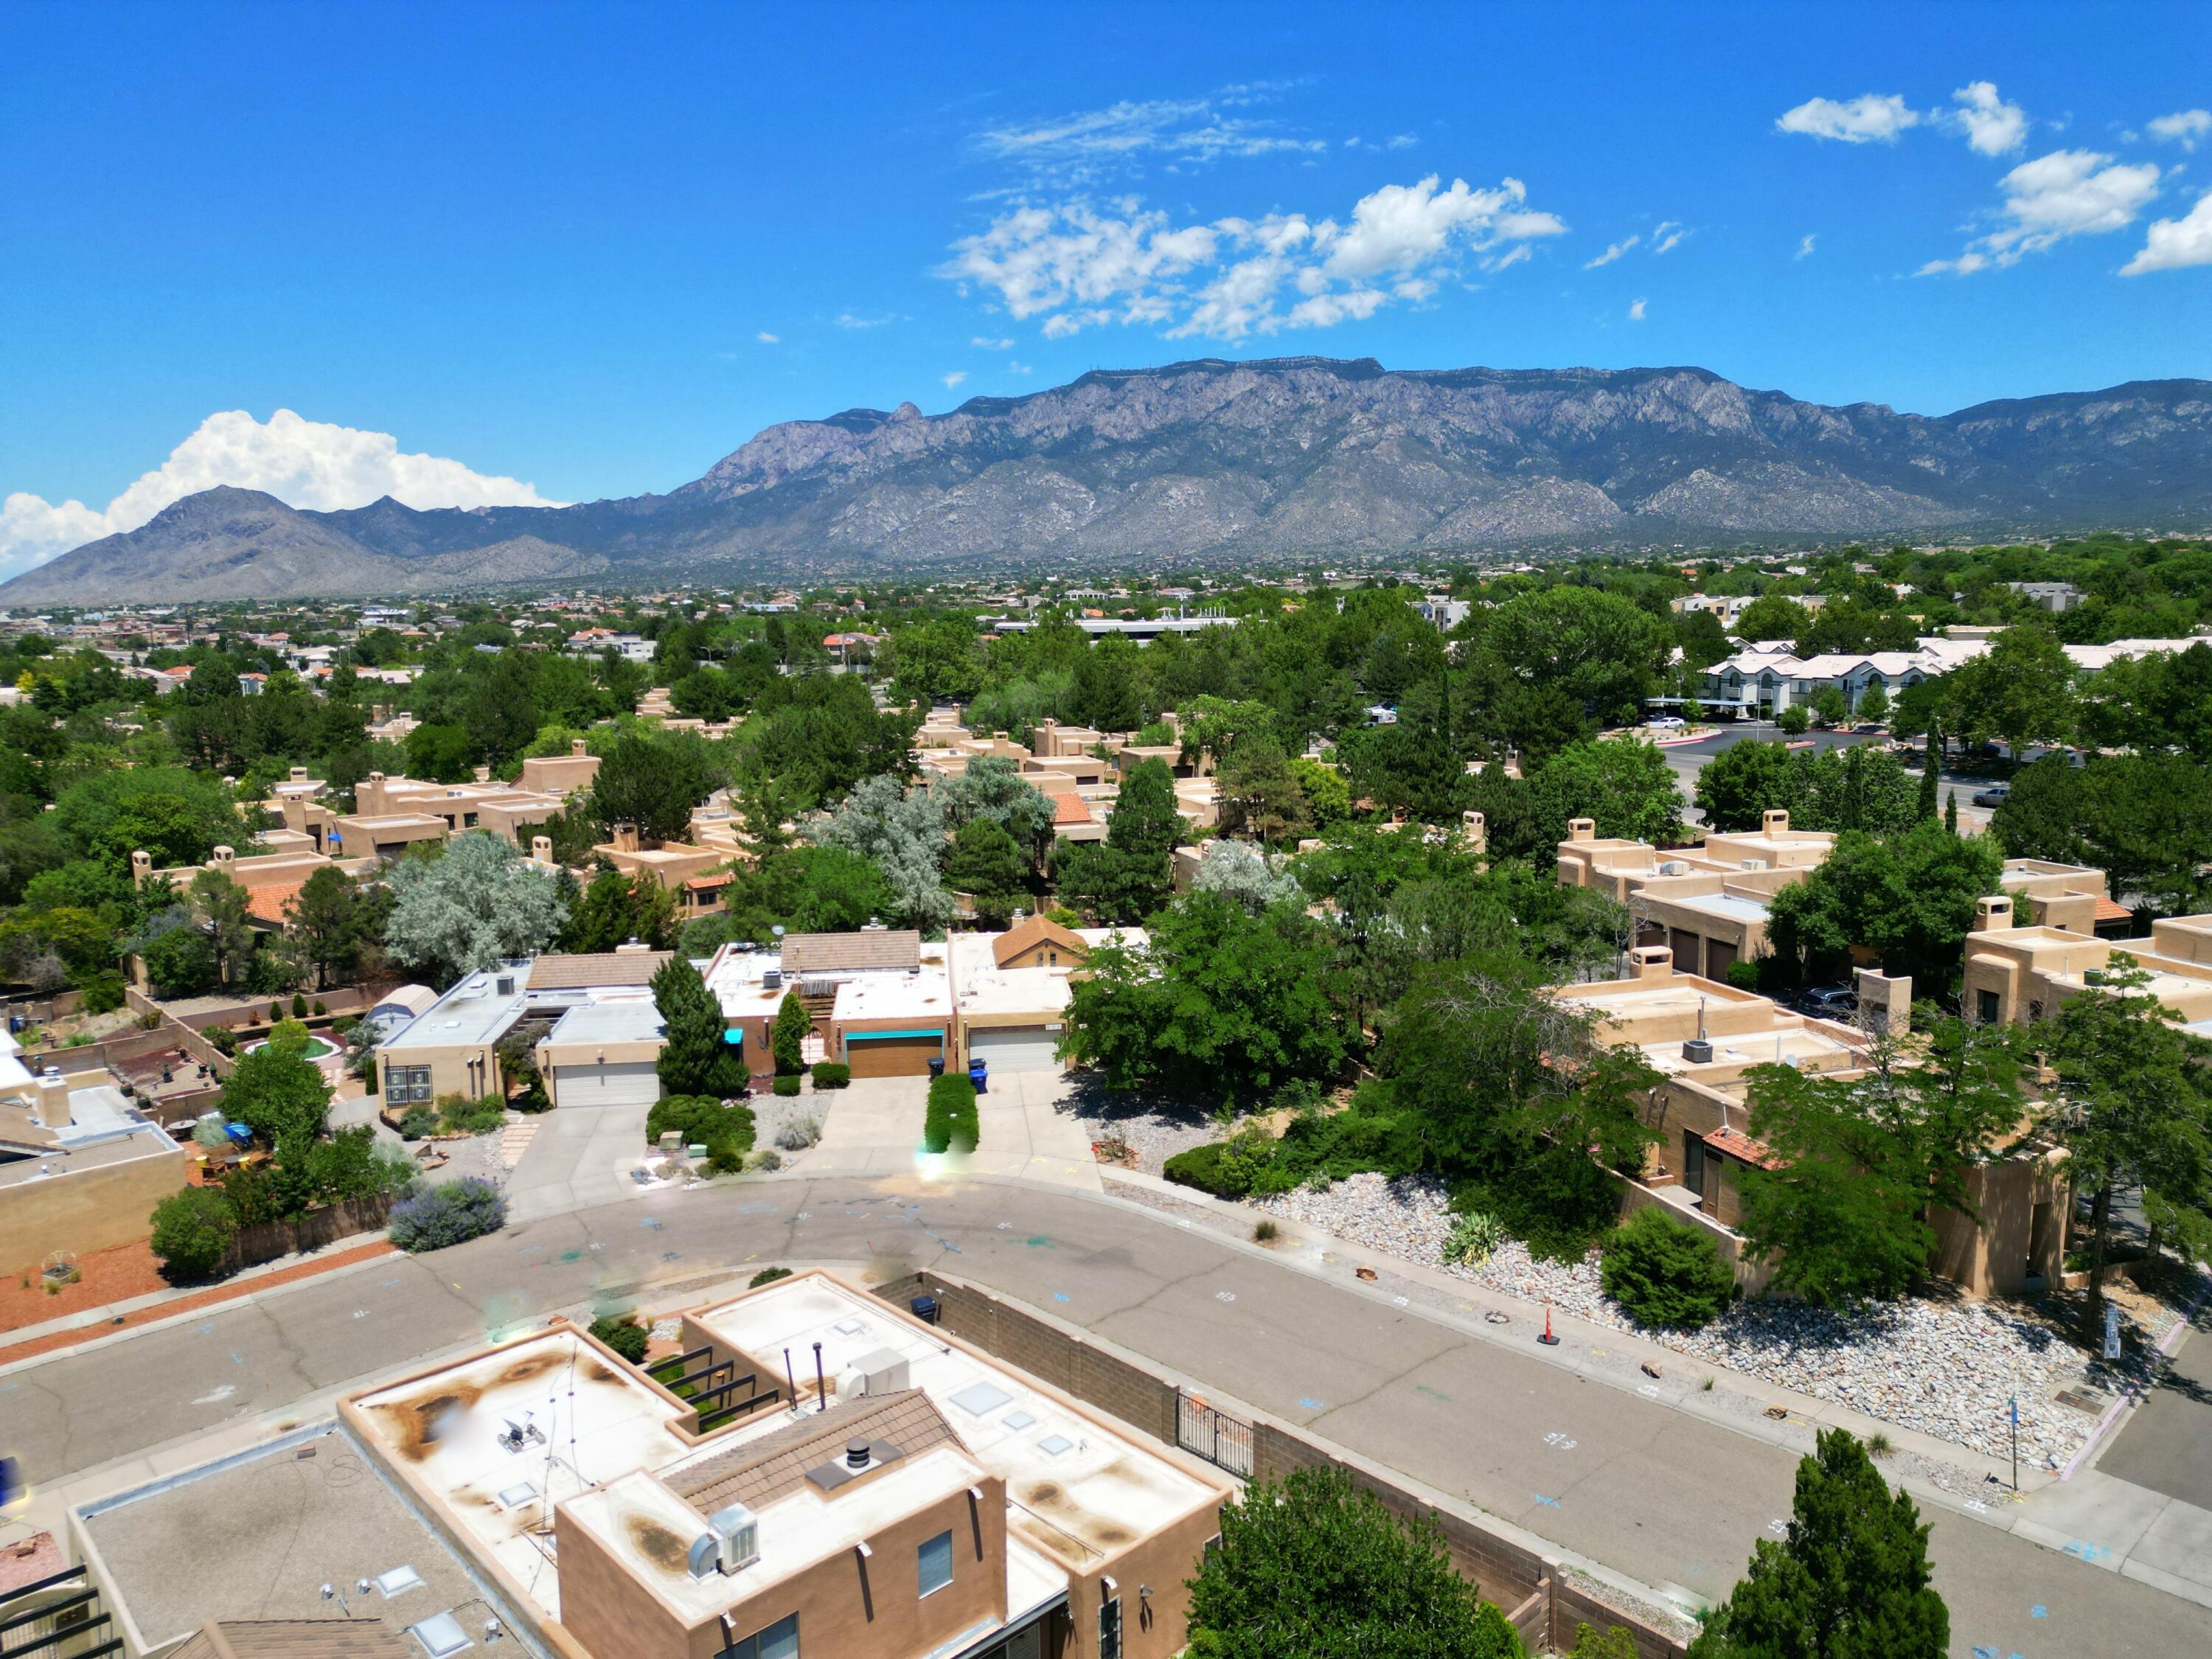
(1794, 719)
(623, 1334)
(726, 1158)
(224, 1040)
(830, 1075)
(193, 1228)
(1474, 1239)
(767, 1159)
(417, 1122)
(1201, 1167)
(450, 1213)
(275, 1014)
(319, 1009)
(786, 1085)
(788, 1036)
(949, 1124)
(299, 1005)
(476, 1117)
(702, 1121)
(1265, 1231)
(767, 1276)
(800, 1133)
(1559, 1202)
(104, 995)
(1665, 1272)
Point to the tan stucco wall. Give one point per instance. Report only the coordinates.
(93, 1209)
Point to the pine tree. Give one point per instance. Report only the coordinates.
(1950, 811)
(693, 1058)
(788, 1037)
(1850, 1581)
(1931, 768)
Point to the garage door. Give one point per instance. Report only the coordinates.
(615, 1083)
(1015, 1049)
(902, 1053)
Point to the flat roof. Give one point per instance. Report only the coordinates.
(599, 1420)
(923, 995)
(1726, 906)
(610, 1022)
(473, 1012)
(1076, 1489)
(257, 1537)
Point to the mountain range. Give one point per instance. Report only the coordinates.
(1221, 463)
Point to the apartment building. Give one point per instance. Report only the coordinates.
(1704, 1038)
(836, 1479)
(1710, 905)
(2022, 971)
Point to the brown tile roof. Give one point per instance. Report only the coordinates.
(1740, 1145)
(1068, 807)
(761, 1471)
(1026, 936)
(586, 970)
(267, 903)
(870, 947)
(294, 1638)
(2112, 910)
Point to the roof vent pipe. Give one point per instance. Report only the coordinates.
(856, 1454)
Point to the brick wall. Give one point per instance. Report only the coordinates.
(1525, 1583)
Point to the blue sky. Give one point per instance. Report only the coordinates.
(518, 252)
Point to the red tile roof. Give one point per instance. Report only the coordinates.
(2110, 910)
(1740, 1147)
(1067, 807)
(267, 903)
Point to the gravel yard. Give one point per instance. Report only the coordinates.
(1946, 1369)
(771, 1113)
(1156, 1131)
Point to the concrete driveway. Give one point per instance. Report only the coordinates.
(579, 1156)
(875, 1128)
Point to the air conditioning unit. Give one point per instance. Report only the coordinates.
(772, 979)
(2094, 977)
(1754, 864)
(1698, 1051)
(731, 1541)
(884, 1371)
(506, 985)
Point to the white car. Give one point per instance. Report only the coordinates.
(1668, 723)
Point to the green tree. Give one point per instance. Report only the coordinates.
(693, 1058)
(1623, 783)
(2145, 820)
(2135, 1111)
(1873, 702)
(178, 815)
(1931, 771)
(1794, 721)
(221, 903)
(1829, 707)
(1850, 1581)
(1258, 792)
(1142, 828)
(787, 1038)
(1910, 898)
(325, 918)
(1867, 1159)
(936, 661)
(192, 1229)
(654, 782)
(1602, 653)
(276, 1091)
(902, 831)
(481, 903)
(616, 908)
(1328, 797)
(1746, 780)
(1224, 1002)
(986, 864)
(1773, 616)
(806, 890)
(2021, 690)
(993, 787)
(1314, 1565)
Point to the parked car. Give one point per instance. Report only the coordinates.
(1993, 796)
(1668, 723)
(1830, 1002)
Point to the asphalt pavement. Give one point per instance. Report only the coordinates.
(1688, 759)
(1648, 1488)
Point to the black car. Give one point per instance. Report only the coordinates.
(1830, 1002)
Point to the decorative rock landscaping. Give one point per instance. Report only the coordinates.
(1945, 1369)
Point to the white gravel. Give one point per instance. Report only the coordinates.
(1945, 1369)
(1154, 1137)
(771, 1112)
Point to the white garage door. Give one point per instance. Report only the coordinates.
(624, 1083)
(1015, 1049)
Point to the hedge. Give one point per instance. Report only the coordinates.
(193, 1228)
(702, 1121)
(949, 1124)
(1667, 1273)
(786, 1085)
(828, 1075)
(623, 1334)
(1201, 1167)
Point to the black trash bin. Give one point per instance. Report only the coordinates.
(925, 1308)
(937, 1066)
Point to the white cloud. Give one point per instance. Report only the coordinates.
(1636, 312)
(1402, 141)
(1512, 256)
(1870, 118)
(1613, 253)
(983, 342)
(1991, 125)
(766, 338)
(1805, 247)
(305, 463)
(2183, 127)
(1020, 368)
(1667, 237)
(2069, 192)
(1077, 264)
(2175, 244)
(854, 320)
(1084, 146)
(954, 378)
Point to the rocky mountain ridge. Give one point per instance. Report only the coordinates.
(1224, 462)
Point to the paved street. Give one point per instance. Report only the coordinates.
(1653, 1491)
(1688, 759)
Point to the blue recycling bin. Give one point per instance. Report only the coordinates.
(976, 1074)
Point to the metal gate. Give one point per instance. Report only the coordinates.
(1220, 1439)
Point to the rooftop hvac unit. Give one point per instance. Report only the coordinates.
(1674, 868)
(884, 1371)
(1698, 1051)
(772, 979)
(506, 985)
(1754, 864)
(731, 1541)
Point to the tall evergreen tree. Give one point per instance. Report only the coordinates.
(693, 1059)
(1931, 768)
(1850, 1581)
(1141, 832)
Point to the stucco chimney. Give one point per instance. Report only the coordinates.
(541, 848)
(576, 749)
(1885, 1001)
(625, 837)
(1581, 829)
(1651, 961)
(1474, 833)
(53, 1099)
(1993, 915)
(224, 855)
(1775, 821)
(141, 868)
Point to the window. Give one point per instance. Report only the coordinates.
(1693, 1163)
(406, 1084)
(1109, 1630)
(1986, 1007)
(779, 1641)
(934, 1562)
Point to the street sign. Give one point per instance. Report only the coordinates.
(2112, 1332)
